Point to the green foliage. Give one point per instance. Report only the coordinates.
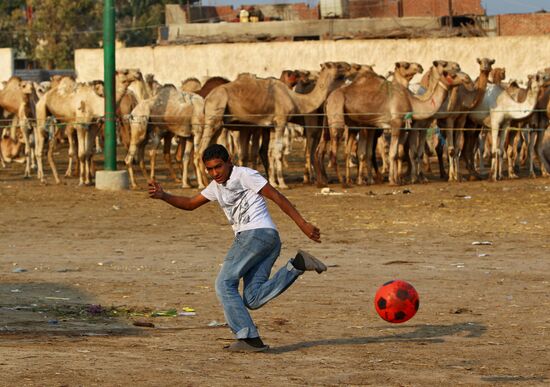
(61, 26)
(58, 27)
(139, 20)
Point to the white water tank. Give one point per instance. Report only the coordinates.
(332, 9)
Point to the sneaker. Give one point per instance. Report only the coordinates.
(243, 346)
(312, 263)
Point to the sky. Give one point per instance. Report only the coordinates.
(492, 6)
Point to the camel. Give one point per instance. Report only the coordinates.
(81, 106)
(452, 118)
(316, 144)
(496, 110)
(152, 85)
(190, 85)
(536, 137)
(170, 112)
(402, 74)
(10, 150)
(18, 99)
(497, 75)
(546, 145)
(374, 102)
(265, 102)
(137, 84)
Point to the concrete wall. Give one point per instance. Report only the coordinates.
(317, 28)
(6, 63)
(520, 56)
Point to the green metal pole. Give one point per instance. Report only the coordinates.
(109, 82)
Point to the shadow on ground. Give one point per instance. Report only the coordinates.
(51, 308)
(428, 334)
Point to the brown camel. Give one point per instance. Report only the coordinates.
(152, 85)
(497, 75)
(170, 113)
(374, 102)
(190, 85)
(314, 123)
(265, 102)
(82, 106)
(452, 118)
(18, 99)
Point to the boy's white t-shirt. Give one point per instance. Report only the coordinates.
(239, 199)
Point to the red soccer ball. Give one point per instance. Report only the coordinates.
(396, 301)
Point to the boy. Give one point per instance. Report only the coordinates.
(240, 192)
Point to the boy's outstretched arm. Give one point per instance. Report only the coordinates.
(284, 204)
(183, 202)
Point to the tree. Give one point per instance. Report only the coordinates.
(61, 26)
(139, 20)
(48, 31)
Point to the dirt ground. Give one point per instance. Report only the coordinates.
(483, 317)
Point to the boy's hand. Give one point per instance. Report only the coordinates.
(155, 190)
(312, 232)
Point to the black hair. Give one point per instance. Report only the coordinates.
(215, 151)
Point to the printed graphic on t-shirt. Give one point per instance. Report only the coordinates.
(240, 200)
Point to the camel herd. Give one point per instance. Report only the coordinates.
(376, 117)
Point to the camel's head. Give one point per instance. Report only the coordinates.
(289, 78)
(497, 75)
(127, 75)
(336, 69)
(485, 64)
(149, 78)
(455, 78)
(42, 87)
(98, 88)
(26, 87)
(445, 65)
(408, 69)
(539, 79)
(357, 68)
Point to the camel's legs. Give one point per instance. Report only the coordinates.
(313, 134)
(187, 145)
(167, 139)
(511, 152)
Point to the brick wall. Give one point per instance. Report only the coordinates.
(390, 8)
(372, 8)
(524, 24)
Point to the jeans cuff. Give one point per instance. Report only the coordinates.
(247, 333)
(290, 267)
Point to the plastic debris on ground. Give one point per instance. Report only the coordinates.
(482, 243)
(328, 191)
(187, 311)
(165, 313)
(215, 324)
(19, 270)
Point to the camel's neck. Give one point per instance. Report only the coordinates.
(426, 108)
(400, 79)
(429, 83)
(10, 100)
(519, 110)
(480, 88)
(307, 103)
(140, 89)
(121, 88)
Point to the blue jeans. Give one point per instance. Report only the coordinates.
(251, 257)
